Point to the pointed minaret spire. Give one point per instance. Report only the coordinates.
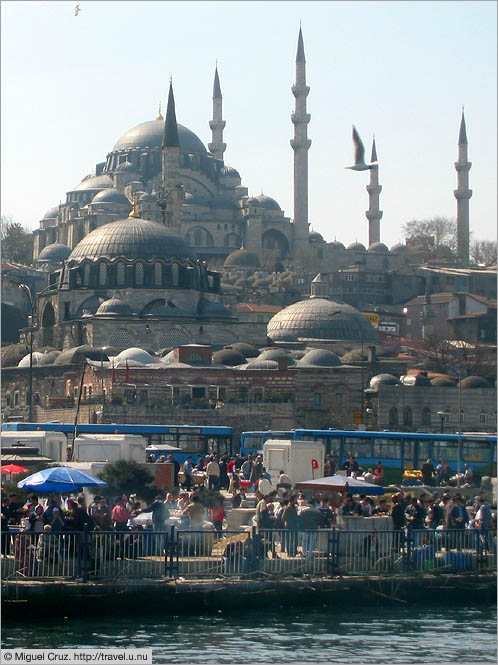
(374, 214)
(171, 195)
(217, 124)
(300, 144)
(170, 139)
(462, 194)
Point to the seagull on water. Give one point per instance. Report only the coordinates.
(359, 156)
(77, 9)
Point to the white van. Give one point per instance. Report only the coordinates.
(49, 444)
(109, 448)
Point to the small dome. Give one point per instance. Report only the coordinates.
(357, 246)
(125, 166)
(24, 362)
(229, 357)
(131, 238)
(94, 182)
(79, 354)
(383, 380)
(399, 248)
(55, 252)
(275, 354)
(267, 202)
(316, 237)
(111, 196)
(353, 356)
(336, 245)
(473, 382)
(49, 358)
(136, 354)
(242, 258)
(262, 364)
(229, 171)
(442, 382)
(252, 201)
(52, 213)
(320, 358)
(115, 307)
(378, 248)
(417, 380)
(12, 354)
(247, 350)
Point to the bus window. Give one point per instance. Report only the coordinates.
(360, 447)
(387, 448)
(423, 451)
(218, 445)
(445, 450)
(192, 443)
(409, 451)
(252, 442)
(476, 451)
(162, 439)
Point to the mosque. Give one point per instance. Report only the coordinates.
(129, 248)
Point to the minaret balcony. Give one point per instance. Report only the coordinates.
(463, 166)
(374, 189)
(217, 124)
(373, 215)
(300, 90)
(462, 194)
(296, 144)
(300, 118)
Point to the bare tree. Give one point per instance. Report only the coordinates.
(429, 234)
(483, 251)
(17, 241)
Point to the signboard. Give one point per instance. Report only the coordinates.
(373, 318)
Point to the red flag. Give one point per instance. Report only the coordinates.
(127, 375)
(314, 464)
(113, 374)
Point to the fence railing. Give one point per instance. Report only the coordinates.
(211, 554)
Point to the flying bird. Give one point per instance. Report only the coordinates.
(359, 155)
(77, 9)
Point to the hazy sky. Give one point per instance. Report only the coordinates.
(71, 86)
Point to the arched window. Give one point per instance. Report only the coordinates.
(120, 274)
(197, 237)
(407, 417)
(174, 273)
(426, 416)
(393, 416)
(86, 275)
(483, 418)
(139, 274)
(158, 274)
(103, 274)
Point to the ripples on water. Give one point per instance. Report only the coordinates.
(373, 635)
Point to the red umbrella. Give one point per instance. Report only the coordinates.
(13, 468)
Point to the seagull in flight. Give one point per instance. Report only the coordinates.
(77, 9)
(359, 155)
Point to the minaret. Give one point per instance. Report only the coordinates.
(171, 196)
(462, 195)
(300, 144)
(373, 214)
(217, 124)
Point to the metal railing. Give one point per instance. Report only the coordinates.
(191, 554)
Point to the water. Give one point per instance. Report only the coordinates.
(423, 634)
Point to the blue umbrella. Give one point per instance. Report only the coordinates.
(340, 484)
(59, 479)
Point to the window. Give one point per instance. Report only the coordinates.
(317, 399)
(198, 393)
(139, 274)
(175, 392)
(426, 416)
(257, 395)
(67, 311)
(462, 417)
(158, 274)
(103, 274)
(174, 273)
(407, 417)
(222, 393)
(143, 395)
(387, 448)
(16, 398)
(476, 451)
(393, 416)
(482, 418)
(120, 274)
(360, 447)
(445, 450)
(86, 275)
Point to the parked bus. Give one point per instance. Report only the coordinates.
(398, 450)
(202, 440)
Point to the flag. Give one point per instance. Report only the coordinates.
(127, 375)
(314, 464)
(113, 374)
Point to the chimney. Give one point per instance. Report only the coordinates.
(283, 362)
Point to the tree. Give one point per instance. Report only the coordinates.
(431, 233)
(483, 251)
(123, 477)
(17, 242)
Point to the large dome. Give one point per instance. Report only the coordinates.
(150, 135)
(319, 318)
(131, 238)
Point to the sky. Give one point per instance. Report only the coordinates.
(72, 85)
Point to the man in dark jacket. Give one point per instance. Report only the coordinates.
(160, 513)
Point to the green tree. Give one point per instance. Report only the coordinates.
(123, 477)
(17, 242)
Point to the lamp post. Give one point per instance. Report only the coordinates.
(27, 291)
(459, 428)
(442, 415)
(362, 338)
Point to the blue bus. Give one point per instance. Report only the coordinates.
(192, 440)
(398, 450)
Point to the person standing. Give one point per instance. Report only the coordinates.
(176, 468)
(217, 513)
(290, 519)
(223, 464)
(120, 515)
(188, 472)
(160, 513)
(213, 474)
(427, 472)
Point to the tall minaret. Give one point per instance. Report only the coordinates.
(217, 124)
(373, 214)
(300, 144)
(171, 196)
(462, 195)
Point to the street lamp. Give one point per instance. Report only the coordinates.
(360, 330)
(27, 291)
(442, 415)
